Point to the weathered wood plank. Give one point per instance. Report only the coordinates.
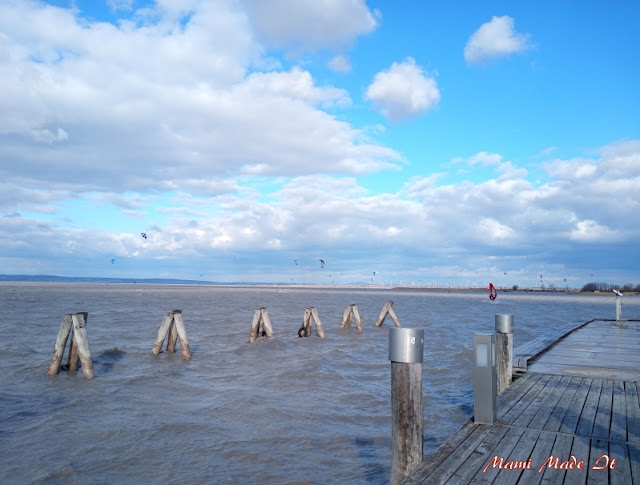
(562, 449)
(513, 394)
(585, 424)
(618, 430)
(527, 415)
(485, 437)
(544, 413)
(580, 450)
(634, 459)
(602, 420)
(598, 456)
(622, 471)
(633, 412)
(485, 469)
(572, 416)
(488, 467)
(432, 463)
(518, 408)
(466, 469)
(541, 450)
(559, 412)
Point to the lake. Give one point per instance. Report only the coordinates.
(287, 410)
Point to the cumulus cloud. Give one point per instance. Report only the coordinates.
(311, 24)
(135, 106)
(494, 39)
(591, 231)
(339, 63)
(403, 91)
(496, 224)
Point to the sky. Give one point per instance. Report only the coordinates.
(415, 143)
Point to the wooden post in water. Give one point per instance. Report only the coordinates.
(261, 322)
(351, 312)
(74, 325)
(82, 343)
(405, 353)
(311, 314)
(61, 343)
(387, 310)
(173, 326)
(504, 351)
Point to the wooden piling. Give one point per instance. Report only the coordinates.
(162, 332)
(182, 335)
(387, 310)
(504, 351)
(310, 317)
(406, 356)
(260, 321)
(351, 312)
(82, 343)
(61, 343)
(73, 325)
(172, 337)
(173, 326)
(73, 360)
(406, 416)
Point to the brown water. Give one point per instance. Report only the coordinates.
(288, 410)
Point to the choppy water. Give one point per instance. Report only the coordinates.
(288, 410)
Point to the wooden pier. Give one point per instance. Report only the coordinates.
(572, 417)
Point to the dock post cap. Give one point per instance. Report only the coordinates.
(406, 345)
(504, 323)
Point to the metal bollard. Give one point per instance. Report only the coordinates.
(405, 353)
(504, 351)
(484, 378)
(618, 308)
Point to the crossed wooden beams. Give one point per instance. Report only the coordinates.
(351, 312)
(310, 314)
(261, 325)
(172, 325)
(387, 310)
(78, 348)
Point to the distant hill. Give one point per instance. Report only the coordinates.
(89, 279)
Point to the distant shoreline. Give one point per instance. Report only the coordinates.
(240, 284)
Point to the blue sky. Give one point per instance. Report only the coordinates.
(428, 142)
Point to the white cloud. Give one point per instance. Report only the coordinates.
(480, 228)
(494, 39)
(141, 106)
(485, 159)
(571, 169)
(311, 24)
(591, 231)
(403, 91)
(339, 63)
(295, 84)
(120, 4)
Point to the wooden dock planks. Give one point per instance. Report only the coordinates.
(547, 416)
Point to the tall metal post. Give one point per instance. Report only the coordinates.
(484, 379)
